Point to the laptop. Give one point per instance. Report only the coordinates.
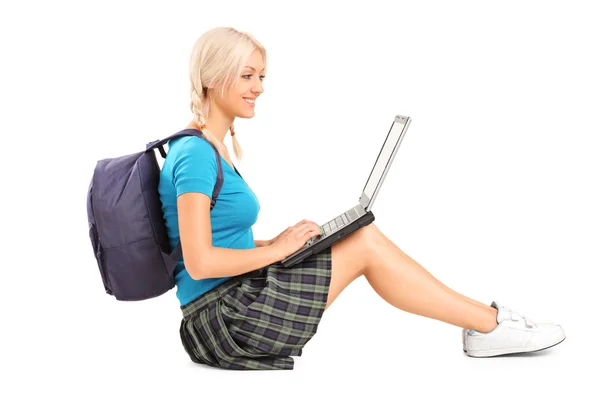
(361, 214)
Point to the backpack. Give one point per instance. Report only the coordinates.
(126, 224)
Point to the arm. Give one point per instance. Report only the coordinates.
(194, 178)
(202, 260)
(262, 243)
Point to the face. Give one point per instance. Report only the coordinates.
(239, 101)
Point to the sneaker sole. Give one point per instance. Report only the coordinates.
(500, 352)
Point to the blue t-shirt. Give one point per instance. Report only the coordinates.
(191, 166)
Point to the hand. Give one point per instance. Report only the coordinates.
(270, 242)
(294, 237)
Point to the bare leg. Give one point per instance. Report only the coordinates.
(402, 282)
(405, 284)
(470, 300)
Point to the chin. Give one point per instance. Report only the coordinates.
(246, 114)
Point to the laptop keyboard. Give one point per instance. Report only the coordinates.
(335, 224)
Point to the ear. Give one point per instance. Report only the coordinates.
(211, 85)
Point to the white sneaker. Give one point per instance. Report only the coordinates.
(515, 333)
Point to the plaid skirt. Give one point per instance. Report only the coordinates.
(258, 320)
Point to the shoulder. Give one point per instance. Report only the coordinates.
(191, 144)
(192, 148)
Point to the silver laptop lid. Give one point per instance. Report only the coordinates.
(384, 161)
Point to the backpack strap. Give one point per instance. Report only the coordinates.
(158, 144)
(177, 253)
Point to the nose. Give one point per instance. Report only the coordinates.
(258, 88)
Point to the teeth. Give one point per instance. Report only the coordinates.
(249, 101)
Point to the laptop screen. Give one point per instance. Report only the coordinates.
(383, 162)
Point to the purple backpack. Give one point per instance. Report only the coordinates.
(126, 224)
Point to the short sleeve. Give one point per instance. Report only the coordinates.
(195, 168)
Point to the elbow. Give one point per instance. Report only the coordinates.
(198, 272)
(199, 268)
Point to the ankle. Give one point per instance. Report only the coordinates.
(489, 322)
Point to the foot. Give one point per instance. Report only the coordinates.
(514, 333)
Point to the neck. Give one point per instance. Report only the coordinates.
(217, 123)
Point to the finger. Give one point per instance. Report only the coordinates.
(302, 231)
(311, 232)
(313, 224)
(314, 233)
(303, 225)
(308, 222)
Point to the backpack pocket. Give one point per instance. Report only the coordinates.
(98, 253)
(136, 270)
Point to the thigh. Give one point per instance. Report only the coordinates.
(349, 259)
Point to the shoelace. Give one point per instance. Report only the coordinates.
(515, 316)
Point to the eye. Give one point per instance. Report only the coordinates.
(248, 76)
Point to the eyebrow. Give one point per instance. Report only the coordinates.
(252, 68)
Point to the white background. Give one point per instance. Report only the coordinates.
(494, 189)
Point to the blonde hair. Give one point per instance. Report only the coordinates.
(217, 60)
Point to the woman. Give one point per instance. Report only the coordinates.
(243, 310)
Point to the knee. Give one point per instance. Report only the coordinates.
(370, 238)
